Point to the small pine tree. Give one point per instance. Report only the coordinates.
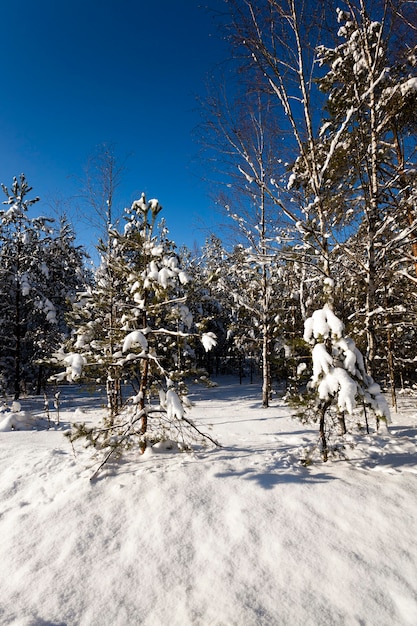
(339, 384)
(134, 326)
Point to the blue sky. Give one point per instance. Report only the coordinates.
(79, 73)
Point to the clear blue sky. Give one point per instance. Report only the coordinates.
(78, 73)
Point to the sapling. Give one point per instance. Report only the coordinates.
(339, 381)
(134, 327)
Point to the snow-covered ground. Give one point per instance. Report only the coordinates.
(241, 535)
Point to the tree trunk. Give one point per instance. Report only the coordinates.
(18, 344)
(323, 441)
(266, 369)
(114, 401)
(372, 218)
(342, 424)
(142, 401)
(391, 370)
(405, 193)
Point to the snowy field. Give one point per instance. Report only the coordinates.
(243, 535)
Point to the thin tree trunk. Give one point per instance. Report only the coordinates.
(391, 370)
(266, 370)
(405, 192)
(342, 424)
(143, 389)
(142, 394)
(18, 344)
(113, 389)
(323, 441)
(40, 381)
(372, 217)
(390, 357)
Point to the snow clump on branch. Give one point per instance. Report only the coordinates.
(209, 341)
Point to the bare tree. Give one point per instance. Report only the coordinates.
(103, 175)
(243, 135)
(277, 40)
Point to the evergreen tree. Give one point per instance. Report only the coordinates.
(339, 382)
(134, 325)
(209, 304)
(35, 285)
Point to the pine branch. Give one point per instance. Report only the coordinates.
(204, 435)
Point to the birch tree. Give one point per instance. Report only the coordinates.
(245, 136)
(278, 40)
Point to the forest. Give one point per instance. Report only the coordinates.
(225, 435)
(311, 282)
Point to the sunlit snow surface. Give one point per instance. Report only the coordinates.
(243, 535)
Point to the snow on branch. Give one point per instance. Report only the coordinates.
(75, 363)
(209, 341)
(135, 338)
(323, 323)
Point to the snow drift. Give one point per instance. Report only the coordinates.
(239, 536)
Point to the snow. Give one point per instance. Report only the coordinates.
(135, 338)
(242, 535)
(291, 181)
(173, 405)
(301, 368)
(322, 361)
(25, 284)
(16, 420)
(337, 382)
(183, 277)
(50, 311)
(209, 341)
(409, 86)
(323, 323)
(164, 276)
(75, 363)
(334, 382)
(186, 316)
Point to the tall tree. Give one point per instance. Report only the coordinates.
(346, 119)
(362, 89)
(103, 174)
(19, 238)
(245, 136)
(277, 42)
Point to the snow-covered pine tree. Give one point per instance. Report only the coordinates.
(340, 383)
(95, 323)
(134, 326)
(31, 310)
(207, 304)
(19, 238)
(62, 274)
